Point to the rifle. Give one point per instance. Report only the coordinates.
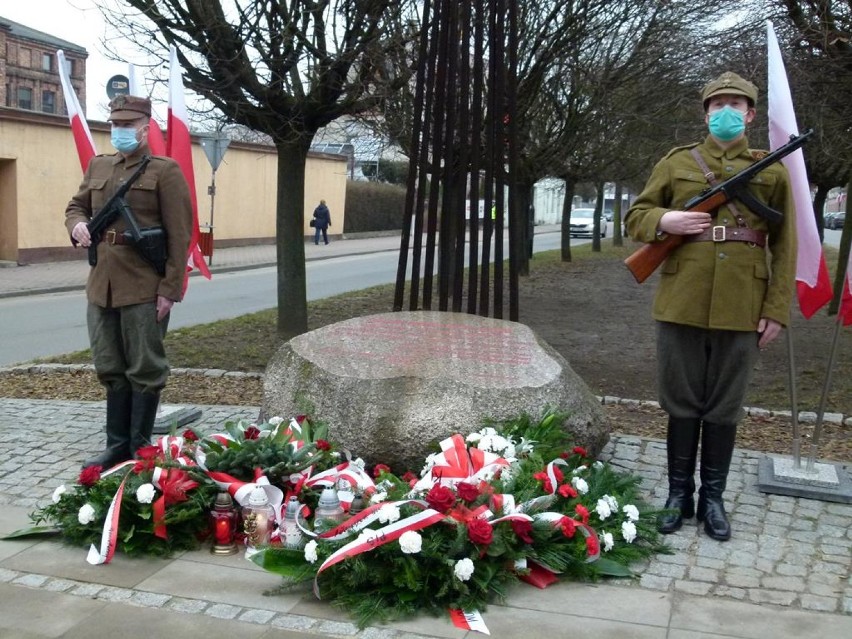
(646, 259)
(110, 211)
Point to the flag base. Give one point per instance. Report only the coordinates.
(826, 482)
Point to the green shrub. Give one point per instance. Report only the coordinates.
(372, 206)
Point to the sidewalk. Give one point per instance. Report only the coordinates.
(784, 574)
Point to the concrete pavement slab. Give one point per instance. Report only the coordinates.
(26, 612)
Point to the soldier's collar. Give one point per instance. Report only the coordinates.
(740, 147)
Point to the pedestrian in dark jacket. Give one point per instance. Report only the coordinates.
(322, 220)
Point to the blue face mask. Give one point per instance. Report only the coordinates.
(124, 139)
(727, 123)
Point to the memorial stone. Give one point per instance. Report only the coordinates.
(390, 386)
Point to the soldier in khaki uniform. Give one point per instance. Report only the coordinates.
(723, 294)
(128, 301)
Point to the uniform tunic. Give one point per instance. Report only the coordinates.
(720, 285)
(158, 197)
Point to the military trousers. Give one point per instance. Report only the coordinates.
(702, 373)
(127, 347)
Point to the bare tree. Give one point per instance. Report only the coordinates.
(284, 69)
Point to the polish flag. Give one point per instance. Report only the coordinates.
(179, 148)
(156, 141)
(846, 299)
(813, 284)
(79, 127)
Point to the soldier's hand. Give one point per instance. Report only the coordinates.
(164, 306)
(768, 330)
(685, 222)
(80, 234)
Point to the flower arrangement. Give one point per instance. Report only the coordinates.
(514, 501)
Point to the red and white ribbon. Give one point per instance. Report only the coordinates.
(104, 554)
(468, 620)
(458, 463)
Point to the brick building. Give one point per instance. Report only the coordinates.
(29, 76)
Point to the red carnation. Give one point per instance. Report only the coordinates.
(558, 474)
(409, 477)
(468, 492)
(581, 510)
(440, 498)
(569, 527)
(592, 546)
(479, 532)
(252, 432)
(323, 445)
(90, 476)
(567, 491)
(522, 529)
(378, 469)
(579, 450)
(189, 435)
(545, 480)
(147, 452)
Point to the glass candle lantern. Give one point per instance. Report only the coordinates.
(329, 512)
(258, 519)
(290, 532)
(223, 520)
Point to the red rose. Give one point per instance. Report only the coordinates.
(592, 546)
(189, 435)
(468, 492)
(523, 529)
(479, 532)
(90, 476)
(440, 498)
(581, 510)
(579, 450)
(378, 469)
(409, 477)
(323, 445)
(567, 491)
(252, 432)
(147, 452)
(568, 527)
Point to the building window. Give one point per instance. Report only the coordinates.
(25, 57)
(69, 67)
(47, 61)
(25, 98)
(48, 101)
(8, 96)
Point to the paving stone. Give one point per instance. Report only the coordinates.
(692, 587)
(150, 599)
(667, 570)
(59, 585)
(703, 574)
(293, 622)
(87, 590)
(257, 616)
(758, 595)
(110, 593)
(193, 606)
(727, 591)
(31, 581)
(791, 570)
(783, 583)
(337, 628)
(815, 602)
(223, 611)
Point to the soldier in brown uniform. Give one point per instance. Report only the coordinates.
(723, 294)
(128, 301)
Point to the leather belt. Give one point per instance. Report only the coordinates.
(729, 234)
(115, 237)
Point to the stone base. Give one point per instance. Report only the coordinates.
(170, 416)
(827, 482)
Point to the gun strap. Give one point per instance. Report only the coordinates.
(711, 179)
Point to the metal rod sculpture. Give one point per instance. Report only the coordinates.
(463, 150)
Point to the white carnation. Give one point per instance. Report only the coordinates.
(86, 515)
(423, 485)
(428, 463)
(145, 493)
(311, 551)
(628, 531)
(488, 431)
(410, 542)
(608, 541)
(613, 504)
(378, 498)
(359, 463)
(603, 509)
(57, 494)
(598, 465)
(580, 485)
(580, 469)
(274, 421)
(631, 511)
(463, 569)
(473, 438)
(388, 514)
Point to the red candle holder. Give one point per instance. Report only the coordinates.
(223, 521)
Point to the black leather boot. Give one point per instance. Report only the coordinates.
(117, 431)
(142, 417)
(681, 450)
(717, 448)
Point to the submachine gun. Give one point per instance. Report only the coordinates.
(645, 260)
(150, 242)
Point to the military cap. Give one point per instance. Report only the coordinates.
(129, 107)
(729, 83)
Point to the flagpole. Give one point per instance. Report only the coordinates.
(794, 402)
(823, 400)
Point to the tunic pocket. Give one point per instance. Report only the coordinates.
(761, 281)
(96, 194)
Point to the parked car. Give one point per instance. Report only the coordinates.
(583, 223)
(835, 220)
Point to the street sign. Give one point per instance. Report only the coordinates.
(117, 85)
(214, 149)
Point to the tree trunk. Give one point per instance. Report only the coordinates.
(596, 218)
(617, 238)
(819, 210)
(566, 219)
(843, 256)
(290, 237)
(524, 209)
